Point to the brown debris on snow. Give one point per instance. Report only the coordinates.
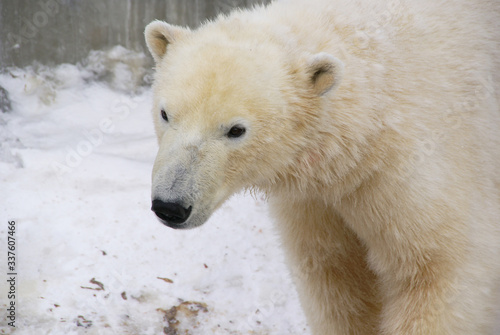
(186, 311)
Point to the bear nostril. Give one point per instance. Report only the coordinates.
(170, 212)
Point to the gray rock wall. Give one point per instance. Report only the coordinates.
(64, 31)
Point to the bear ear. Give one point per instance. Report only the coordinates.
(325, 72)
(159, 35)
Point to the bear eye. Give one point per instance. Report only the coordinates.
(164, 115)
(236, 131)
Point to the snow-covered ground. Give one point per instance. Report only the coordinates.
(76, 152)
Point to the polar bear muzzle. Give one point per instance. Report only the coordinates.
(171, 214)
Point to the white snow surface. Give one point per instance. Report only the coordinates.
(75, 162)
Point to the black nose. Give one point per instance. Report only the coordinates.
(172, 214)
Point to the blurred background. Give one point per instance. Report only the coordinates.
(64, 31)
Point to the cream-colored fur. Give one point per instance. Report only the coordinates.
(373, 127)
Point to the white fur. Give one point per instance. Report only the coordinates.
(382, 168)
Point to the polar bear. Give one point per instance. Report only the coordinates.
(374, 129)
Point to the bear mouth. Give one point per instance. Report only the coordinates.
(171, 221)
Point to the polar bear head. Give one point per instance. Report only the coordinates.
(233, 109)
